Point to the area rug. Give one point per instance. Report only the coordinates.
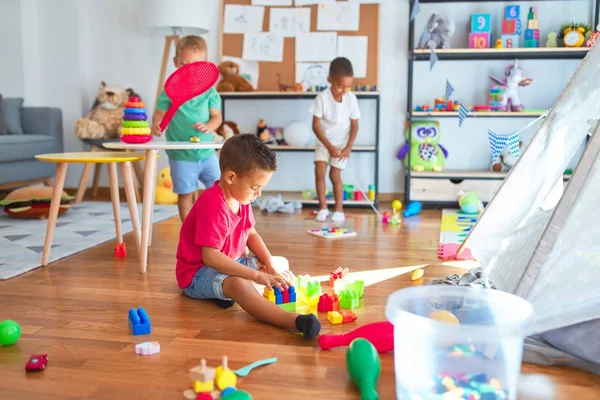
(85, 225)
(455, 227)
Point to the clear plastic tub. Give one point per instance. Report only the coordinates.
(479, 358)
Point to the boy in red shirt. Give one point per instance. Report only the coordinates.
(213, 239)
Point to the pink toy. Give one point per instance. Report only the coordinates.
(513, 79)
(380, 334)
(479, 40)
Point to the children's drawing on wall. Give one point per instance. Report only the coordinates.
(289, 22)
(243, 19)
(312, 75)
(339, 16)
(263, 46)
(248, 69)
(316, 46)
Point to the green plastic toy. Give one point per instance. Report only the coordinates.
(238, 395)
(364, 367)
(10, 332)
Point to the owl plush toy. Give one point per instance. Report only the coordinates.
(426, 154)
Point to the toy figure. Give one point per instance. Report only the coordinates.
(513, 79)
(551, 42)
(426, 154)
(439, 30)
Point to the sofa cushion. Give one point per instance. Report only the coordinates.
(11, 111)
(25, 147)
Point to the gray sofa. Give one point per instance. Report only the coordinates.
(25, 132)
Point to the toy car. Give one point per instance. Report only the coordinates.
(194, 139)
(37, 362)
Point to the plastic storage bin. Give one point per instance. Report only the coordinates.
(479, 358)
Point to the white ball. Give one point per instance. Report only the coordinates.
(297, 133)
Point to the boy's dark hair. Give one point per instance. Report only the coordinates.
(246, 152)
(341, 66)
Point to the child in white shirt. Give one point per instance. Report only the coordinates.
(335, 123)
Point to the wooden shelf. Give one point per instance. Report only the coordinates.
(357, 149)
(475, 114)
(466, 174)
(539, 53)
(297, 196)
(284, 95)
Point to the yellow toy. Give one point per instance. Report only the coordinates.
(164, 188)
(202, 378)
(224, 377)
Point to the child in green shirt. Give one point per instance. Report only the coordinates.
(199, 117)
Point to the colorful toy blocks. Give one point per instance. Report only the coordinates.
(121, 250)
(348, 284)
(269, 294)
(479, 40)
(308, 290)
(511, 27)
(481, 23)
(139, 321)
(287, 296)
(335, 317)
(349, 299)
(512, 12)
(510, 41)
(224, 377)
(348, 316)
(337, 273)
(328, 302)
(332, 233)
(202, 373)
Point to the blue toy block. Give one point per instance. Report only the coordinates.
(278, 295)
(529, 43)
(139, 321)
(292, 292)
(512, 12)
(532, 34)
(481, 23)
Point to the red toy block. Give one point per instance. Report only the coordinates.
(328, 303)
(285, 296)
(204, 396)
(348, 316)
(337, 273)
(121, 250)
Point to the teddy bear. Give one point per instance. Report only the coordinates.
(104, 120)
(232, 81)
(225, 131)
(506, 160)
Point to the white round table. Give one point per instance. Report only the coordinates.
(151, 148)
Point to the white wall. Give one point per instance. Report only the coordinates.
(11, 49)
(81, 42)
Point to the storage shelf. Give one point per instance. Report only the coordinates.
(355, 149)
(537, 53)
(297, 196)
(476, 1)
(285, 95)
(475, 114)
(466, 174)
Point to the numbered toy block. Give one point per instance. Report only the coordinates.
(531, 43)
(481, 23)
(480, 40)
(512, 12)
(139, 322)
(511, 27)
(532, 34)
(532, 24)
(510, 41)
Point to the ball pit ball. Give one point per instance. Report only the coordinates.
(444, 316)
(10, 332)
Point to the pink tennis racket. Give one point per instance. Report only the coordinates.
(187, 82)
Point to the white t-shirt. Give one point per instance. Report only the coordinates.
(335, 117)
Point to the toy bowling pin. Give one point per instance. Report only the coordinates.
(413, 208)
(364, 367)
(380, 334)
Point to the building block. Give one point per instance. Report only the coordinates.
(348, 316)
(287, 296)
(532, 34)
(480, 40)
(139, 321)
(308, 290)
(481, 23)
(531, 43)
(510, 41)
(289, 307)
(203, 387)
(121, 250)
(292, 294)
(205, 396)
(511, 27)
(202, 373)
(328, 302)
(512, 12)
(269, 294)
(348, 299)
(335, 317)
(345, 284)
(337, 273)
(532, 24)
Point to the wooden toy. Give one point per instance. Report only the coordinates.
(364, 367)
(510, 41)
(512, 12)
(332, 233)
(202, 377)
(147, 348)
(481, 23)
(496, 98)
(381, 334)
(349, 299)
(224, 377)
(328, 302)
(237, 395)
(511, 27)
(337, 273)
(334, 317)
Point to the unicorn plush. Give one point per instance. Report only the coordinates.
(511, 82)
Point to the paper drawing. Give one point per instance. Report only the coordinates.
(321, 46)
(340, 16)
(282, 3)
(289, 22)
(299, 3)
(312, 74)
(354, 48)
(263, 46)
(243, 19)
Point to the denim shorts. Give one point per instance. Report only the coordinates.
(186, 174)
(208, 283)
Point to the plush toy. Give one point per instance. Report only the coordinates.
(506, 160)
(104, 121)
(426, 154)
(268, 134)
(511, 82)
(470, 202)
(225, 131)
(439, 30)
(232, 81)
(33, 202)
(164, 188)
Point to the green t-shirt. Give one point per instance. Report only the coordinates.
(180, 128)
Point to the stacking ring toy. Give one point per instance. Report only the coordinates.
(136, 139)
(135, 117)
(135, 104)
(135, 131)
(134, 111)
(135, 124)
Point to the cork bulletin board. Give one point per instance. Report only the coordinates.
(231, 44)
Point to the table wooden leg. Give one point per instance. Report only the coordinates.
(113, 180)
(59, 183)
(127, 177)
(148, 200)
(152, 215)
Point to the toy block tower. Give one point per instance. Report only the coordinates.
(481, 31)
(203, 378)
(511, 27)
(308, 290)
(532, 33)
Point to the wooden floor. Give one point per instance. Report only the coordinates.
(76, 311)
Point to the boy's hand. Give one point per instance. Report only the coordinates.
(200, 127)
(334, 151)
(156, 129)
(271, 281)
(345, 153)
(287, 275)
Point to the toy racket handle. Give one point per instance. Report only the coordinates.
(168, 116)
(380, 334)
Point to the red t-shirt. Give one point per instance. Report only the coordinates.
(211, 223)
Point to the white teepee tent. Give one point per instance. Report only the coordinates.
(540, 238)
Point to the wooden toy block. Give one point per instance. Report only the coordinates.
(531, 43)
(480, 40)
(203, 387)
(532, 24)
(269, 294)
(335, 317)
(328, 302)
(532, 34)
(512, 12)
(481, 23)
(510, 41)
(224, 377)
(202, 373)
(348, 316)
(337, 273)
(332, 233)
(348, 299)
(511, 27)
(205, 396)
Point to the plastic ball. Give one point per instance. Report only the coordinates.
(396, 205)
(10, 332)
